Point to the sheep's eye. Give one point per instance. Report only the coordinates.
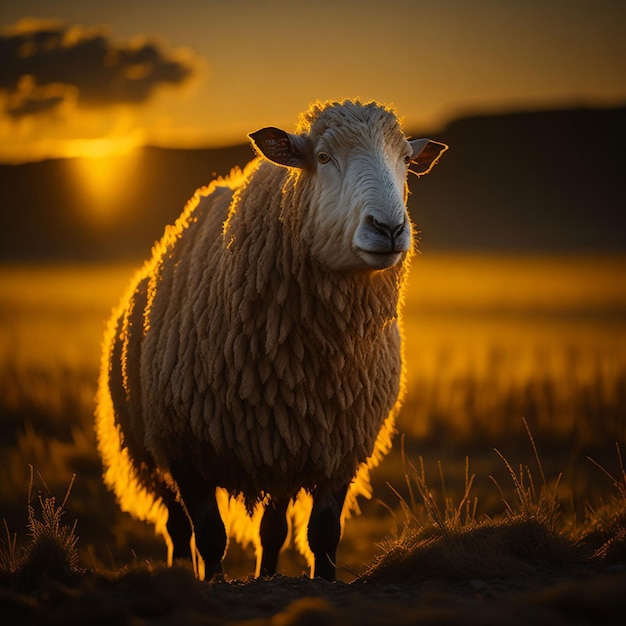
(407, 159)
(323, 157)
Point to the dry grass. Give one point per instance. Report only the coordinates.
(51, 551)
(485, 369)
(442, 568)
(452, 542)
(489, 342)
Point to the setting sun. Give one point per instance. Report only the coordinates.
(101, 147)
(104, 169)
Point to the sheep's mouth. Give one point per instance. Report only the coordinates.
(379, 260)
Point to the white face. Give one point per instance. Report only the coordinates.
(358, 214)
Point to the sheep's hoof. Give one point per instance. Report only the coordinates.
(324, 568)
(212, 570)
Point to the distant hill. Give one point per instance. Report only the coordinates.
(43, 217)
(548, 181)
(522, 182)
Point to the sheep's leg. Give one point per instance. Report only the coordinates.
(201, 504)
(178, 528)
(324, 531)
(273, 532)
(210, 535)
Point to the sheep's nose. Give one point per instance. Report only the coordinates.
(388, 229)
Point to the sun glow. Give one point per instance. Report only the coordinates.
(105, 169)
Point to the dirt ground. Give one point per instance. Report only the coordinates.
(144, 595)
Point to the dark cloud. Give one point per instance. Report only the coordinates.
(43, 65)
(32, 105)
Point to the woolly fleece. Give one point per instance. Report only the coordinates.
(236, 349)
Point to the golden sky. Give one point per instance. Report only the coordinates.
(94, 77)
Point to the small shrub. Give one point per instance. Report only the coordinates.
(454, 544)
(52, 549)
(604, 535)
(532, 503)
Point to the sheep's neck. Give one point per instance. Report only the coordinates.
(277, 278)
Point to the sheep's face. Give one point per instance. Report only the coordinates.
(355, 161)
(358, 202)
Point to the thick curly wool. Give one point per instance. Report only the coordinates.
(239, 350)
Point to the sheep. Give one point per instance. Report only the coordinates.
(252, 373)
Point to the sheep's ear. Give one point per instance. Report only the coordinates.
(281, 147)
(426, 153)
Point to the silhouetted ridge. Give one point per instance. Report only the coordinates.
(544, 182)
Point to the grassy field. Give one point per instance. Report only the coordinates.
(492, 344)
